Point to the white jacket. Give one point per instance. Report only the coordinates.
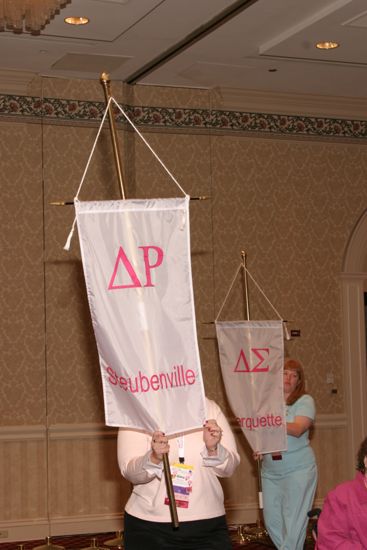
(149, 491)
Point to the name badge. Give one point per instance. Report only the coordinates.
(182, 484)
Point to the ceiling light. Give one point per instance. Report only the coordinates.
(327, 45)
(76, 20)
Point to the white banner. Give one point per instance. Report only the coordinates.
(136, 259)
(251, 357)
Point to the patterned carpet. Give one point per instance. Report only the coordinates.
(249, 537)
(243, 538)
(87, 541)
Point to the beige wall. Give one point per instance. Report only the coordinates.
(291, 201)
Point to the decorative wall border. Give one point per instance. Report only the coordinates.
(68, 110)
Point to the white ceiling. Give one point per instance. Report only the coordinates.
(268, 46)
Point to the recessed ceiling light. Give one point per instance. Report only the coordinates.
(76, 20)
(327, 45)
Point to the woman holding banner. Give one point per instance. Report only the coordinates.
(197, 459)
(289, 479)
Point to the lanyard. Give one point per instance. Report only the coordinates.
(181, 449)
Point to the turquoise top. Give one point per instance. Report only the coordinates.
(299, 451)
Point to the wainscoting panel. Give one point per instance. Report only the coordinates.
(84, 475)
(69, 482)
(329, 442)
(23, 480)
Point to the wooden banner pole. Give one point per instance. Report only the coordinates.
(247, 300)
(105, 81)
(247, 315)
(170, 493)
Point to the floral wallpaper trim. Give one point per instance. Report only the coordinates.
(175, 118)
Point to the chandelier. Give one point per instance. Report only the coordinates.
(28, 15)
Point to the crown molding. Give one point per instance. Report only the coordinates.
(256, 101)
(231, 99)
(19, 82)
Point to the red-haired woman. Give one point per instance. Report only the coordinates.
(289, 479)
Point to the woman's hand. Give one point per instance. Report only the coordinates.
(299, 425)
(257, 456)
(159, 445)
(212, 435)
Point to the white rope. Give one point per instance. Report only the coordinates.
(112, 99)
(230, 288)
(263, 293)
(149, 147)
(259, 288)
(93, 148)
(71, 232)
(70, 236)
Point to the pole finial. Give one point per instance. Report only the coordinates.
(105, 77)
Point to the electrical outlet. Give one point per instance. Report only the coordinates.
(4, 534)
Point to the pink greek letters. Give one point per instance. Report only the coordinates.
(152, 258)
(242, 364)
